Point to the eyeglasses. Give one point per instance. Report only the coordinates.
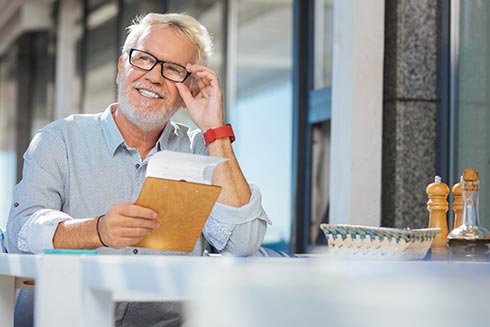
(146, 61)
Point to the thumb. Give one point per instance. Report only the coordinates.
(184, 93)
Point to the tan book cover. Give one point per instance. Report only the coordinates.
(182, 207)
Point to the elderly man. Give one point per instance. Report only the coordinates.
(82, 174)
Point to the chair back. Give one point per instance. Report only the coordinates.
(3, 249)
(24, 297)
(268, 252)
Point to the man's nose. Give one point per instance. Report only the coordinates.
(155, 74)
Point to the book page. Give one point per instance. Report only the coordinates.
(182, 166)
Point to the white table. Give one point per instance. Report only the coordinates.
(81, 290)
(140, 278)
(10, 268)
(329, 292)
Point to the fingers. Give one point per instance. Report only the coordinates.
(134, 210)
(185, 94)
(126, 224)
(207, 79)
(134, 232)
(202, 88)
(205, 102)
(207, 84)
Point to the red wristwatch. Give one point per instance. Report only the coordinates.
(216, 133)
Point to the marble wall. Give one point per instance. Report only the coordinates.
(409, 110)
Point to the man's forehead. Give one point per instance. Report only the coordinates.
(166, 40)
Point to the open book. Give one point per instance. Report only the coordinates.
(178, 187)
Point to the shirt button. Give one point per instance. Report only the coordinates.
(135, 251)
(16, 204)
(137, 166)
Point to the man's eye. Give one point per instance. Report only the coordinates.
(145, 58)
(174, 69)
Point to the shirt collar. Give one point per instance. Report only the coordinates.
(164, 139)
(114, 138)
(112, 135)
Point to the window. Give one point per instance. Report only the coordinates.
(323, 36)
(312, 108)
(471, 101)
(8, 124)
(262, 112)
(100, 56)
(320, 139)
(210, 14)
(26, 69)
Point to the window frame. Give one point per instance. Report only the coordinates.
(309, 107)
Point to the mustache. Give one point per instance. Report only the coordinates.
(149, 87)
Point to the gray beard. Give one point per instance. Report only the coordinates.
(144, 120)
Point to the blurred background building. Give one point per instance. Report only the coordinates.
(344, 110)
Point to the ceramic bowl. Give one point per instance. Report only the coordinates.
(378, 242)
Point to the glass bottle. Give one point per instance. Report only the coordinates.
(469, 241)
(458, 203)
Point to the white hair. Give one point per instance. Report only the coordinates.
(181, 23)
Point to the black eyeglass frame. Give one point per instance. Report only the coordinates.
(158, 61)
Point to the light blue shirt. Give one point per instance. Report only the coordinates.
(78, 167)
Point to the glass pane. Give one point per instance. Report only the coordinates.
(263, 110)
(8, 134)
(94, 4)
(132, 9)
(26, 102)
(323, 45)
(41, 81)
(320, 177)
(101, 58)
(473, 132)
(210, 14)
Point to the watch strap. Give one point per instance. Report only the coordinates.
(213, 134)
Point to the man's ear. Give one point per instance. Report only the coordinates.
(120, 64)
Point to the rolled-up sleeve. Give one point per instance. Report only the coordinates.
(238, 230)
(37, 232)
(31, 226)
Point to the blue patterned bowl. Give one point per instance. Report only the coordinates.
(378, 242)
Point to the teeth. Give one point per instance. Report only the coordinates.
(148, 94)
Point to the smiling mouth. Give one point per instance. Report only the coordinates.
(149, 94)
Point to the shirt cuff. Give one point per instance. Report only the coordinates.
(37, 233)
(223, 219)
(244, 214)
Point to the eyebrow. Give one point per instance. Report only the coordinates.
(167, 61)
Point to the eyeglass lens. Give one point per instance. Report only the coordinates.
(147, 61)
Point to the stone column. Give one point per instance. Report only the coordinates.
(409, 112)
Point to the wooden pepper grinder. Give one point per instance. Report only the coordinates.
(438, 207)
(458, 203)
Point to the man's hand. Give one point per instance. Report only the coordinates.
(205, 106)
(205, 102)
(126, 224)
